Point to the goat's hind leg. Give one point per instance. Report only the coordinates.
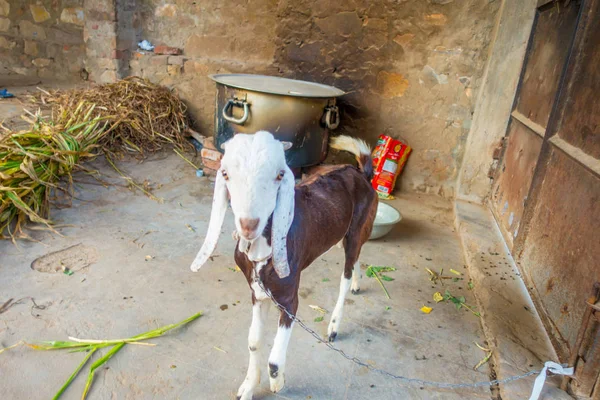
(260, 310)
(350, 278)
(336, 316)
(356, 275)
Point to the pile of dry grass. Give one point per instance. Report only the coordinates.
(144, 117)
(129, 116)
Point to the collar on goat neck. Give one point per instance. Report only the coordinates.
(257, 251)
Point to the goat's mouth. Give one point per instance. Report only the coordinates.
(250, 236)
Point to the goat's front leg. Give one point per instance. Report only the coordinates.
(260, 310)
(279, 352)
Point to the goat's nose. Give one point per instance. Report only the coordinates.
(249, 225)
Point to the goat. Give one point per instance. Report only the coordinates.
(282, 228)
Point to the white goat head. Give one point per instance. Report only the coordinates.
(260, 184)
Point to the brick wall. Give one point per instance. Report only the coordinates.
(41, 39)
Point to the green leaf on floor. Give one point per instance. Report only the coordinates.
(375, 272)
(460, 302)
(374, 269)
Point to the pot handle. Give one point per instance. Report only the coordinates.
(237, 103)
(332, 117)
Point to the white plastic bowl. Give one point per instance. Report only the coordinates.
(385, 219)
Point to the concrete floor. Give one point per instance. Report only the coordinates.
(122, 294)
(131, 274)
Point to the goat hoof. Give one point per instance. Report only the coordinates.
(355, 291)
(277, 384)
(275, 378)
(246, 390)
(332, 337)
(245, 393)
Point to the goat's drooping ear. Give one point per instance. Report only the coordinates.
(282, 220)
(217, 215)
(286, 145)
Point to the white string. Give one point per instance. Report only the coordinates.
(553, 367)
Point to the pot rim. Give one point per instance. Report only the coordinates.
(278, 86)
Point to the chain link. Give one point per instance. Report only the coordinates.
(409, 381)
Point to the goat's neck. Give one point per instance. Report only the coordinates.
(257, 251)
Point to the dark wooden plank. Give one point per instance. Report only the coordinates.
(548, 53)
(560, 253)
(511, 186)
(581, 121)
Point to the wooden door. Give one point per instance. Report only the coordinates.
(546, 195)
(549, 47)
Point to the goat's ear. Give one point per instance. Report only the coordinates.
(282, 220)
(286, 145)
(217, 215)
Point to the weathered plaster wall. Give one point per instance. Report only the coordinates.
(496, 97)
(412, 68)
(41, 39)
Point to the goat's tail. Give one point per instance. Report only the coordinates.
(359, 148)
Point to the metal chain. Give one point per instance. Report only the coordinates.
(409, 381)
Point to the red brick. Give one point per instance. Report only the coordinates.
(209, 143)
(208, 154)
(208, 164)
(172, 51)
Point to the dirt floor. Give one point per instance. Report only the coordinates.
(130, 256)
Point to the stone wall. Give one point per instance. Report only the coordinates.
(41, 39)
(412, 68)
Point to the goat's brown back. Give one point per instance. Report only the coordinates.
(325, 204)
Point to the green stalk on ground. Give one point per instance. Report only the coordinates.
(92, 345)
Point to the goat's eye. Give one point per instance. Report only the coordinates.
(225, 176)
(281, 175)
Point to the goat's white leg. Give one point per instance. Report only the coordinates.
(260, 310)
(278, 354)
(356, 275)
(336, 316)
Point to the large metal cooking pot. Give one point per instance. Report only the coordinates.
(295, 111)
